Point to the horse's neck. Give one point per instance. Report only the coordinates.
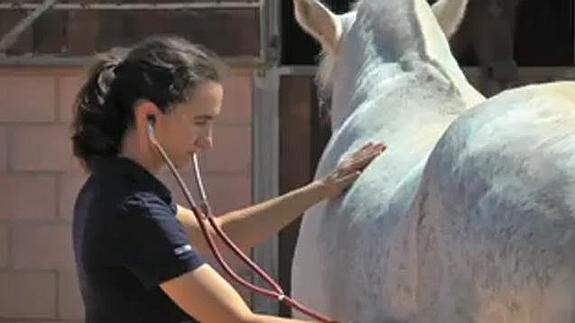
(377, 50)
(402, 96)
(409, 112)
(412, 107)
(434, 49)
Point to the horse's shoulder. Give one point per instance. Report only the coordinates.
(564, 90)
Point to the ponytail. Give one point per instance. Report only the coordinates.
(95, 126)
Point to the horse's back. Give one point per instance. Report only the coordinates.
(341, 243)
(495, 228)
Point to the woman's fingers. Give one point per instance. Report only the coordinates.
(348, 179)
(363, 159)
(350, 170)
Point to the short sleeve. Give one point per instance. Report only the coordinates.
(153, 243)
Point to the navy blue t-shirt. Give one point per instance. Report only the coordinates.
(127, 241)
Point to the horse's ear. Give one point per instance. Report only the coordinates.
(449, 14)
(319, 22)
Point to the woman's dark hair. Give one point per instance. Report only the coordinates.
(163, 70)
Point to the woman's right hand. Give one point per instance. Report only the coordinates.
(349, 170)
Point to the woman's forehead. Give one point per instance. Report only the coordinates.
(206, 100)
(194, 108)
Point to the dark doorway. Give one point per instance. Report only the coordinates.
(544, 34)
(304, 132)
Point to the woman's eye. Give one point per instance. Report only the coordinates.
(201, 123)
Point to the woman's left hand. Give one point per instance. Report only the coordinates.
(349, 170)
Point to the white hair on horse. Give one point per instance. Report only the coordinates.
(328, 59)
(434, 230)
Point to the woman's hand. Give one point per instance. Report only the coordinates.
(349, 170)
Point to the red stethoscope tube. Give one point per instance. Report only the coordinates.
(205, 219)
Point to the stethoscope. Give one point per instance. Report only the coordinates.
(205, 218)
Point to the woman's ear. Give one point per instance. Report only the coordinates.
(146, 116)
(145, 112)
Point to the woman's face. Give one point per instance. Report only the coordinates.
(187, 129)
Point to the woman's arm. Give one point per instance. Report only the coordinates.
(206, 296)
(250, 226)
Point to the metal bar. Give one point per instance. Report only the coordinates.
(263, 29)
(44, 60)
(12, 36)
(269, 32)
(297, 70)
(559, 72)
(266, 140)
(265, 170)
(135, 6)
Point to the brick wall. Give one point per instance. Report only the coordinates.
(39, 180)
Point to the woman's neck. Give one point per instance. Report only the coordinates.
(140, 152)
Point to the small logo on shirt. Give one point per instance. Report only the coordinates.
(183, 249)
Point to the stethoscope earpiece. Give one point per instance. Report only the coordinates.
(151, 123)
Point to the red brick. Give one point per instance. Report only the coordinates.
(68, 188)
(27, 98)
(68, 87)
(41, 148)
(3, 148)
(237, 105)
(74, 167)
(45, 246)
(28, 295)
(3, 247)
(232, 151)
(27, 196)
(228, 192)
(70, 305)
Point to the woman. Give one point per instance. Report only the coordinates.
(133, 244)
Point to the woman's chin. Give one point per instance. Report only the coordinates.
(184, 163)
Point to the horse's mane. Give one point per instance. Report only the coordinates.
(325, 69)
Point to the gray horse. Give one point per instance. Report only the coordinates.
(468, 216)
(488, 30)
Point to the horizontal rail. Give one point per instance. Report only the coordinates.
(135, 6)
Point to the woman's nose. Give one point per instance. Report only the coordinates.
(204, 142)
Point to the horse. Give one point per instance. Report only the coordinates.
(488, 32)
(467, 216)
